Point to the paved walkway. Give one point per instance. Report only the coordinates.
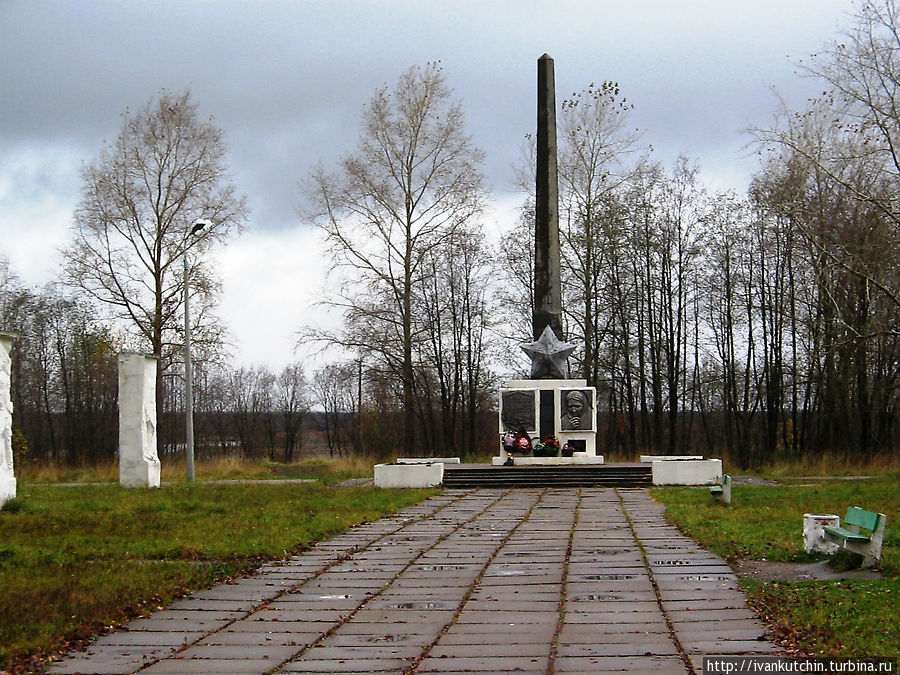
(571, 581)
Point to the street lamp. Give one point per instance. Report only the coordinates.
(188, 370)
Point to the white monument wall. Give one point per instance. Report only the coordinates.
(138, 459)
(587, 432)
(7, 476)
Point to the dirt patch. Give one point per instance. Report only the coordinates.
(751, 480)
(764, 570)
(356, 482)
(834, 477)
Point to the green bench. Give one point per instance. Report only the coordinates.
(722, 492)
(852, 535)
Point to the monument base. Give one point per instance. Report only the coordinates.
(578, 458)
(7, 489)
(142, 473)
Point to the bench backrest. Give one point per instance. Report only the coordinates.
(866, 520)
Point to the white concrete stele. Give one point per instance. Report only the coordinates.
(559, 388)
(138, 459)
(7, 473)
(814, 540)
(411, 475)
(687, 472)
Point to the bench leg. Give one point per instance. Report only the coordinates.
(870, 551)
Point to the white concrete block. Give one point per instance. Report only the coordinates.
(668, 458)
(427, 460)
(7, 472)
(687, 472)
(814, 540)
(409, 475)
(138, 459)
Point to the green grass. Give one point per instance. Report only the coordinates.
(76, 559)
(833, 618)
(329, 471)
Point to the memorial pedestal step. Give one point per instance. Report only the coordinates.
(606, 475)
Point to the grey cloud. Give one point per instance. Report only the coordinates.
(287, 80)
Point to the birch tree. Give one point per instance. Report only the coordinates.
(412, 181)
(139, 202)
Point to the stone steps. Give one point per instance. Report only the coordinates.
(468, 476)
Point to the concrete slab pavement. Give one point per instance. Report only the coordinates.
(569, 581)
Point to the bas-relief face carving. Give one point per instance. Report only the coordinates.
(577, 406)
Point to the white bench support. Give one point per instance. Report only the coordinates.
(722, 492)
(851, 537)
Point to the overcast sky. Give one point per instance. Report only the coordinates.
(287, 81)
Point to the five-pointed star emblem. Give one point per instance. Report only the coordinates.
(549, 356)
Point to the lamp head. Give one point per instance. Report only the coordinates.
(199, 225)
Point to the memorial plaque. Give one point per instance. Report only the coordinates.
(517, 409)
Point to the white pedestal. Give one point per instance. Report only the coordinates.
(138, 459)
(646, 459)
(687, 472)
(416, 475)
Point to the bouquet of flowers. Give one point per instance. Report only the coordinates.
(549, 448)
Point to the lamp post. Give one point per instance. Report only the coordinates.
(188, 370)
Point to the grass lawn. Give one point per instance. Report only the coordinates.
(832, 618)
(76, 559)
(328, 471)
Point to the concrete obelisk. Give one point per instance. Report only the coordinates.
(559, 411)
(547, 289)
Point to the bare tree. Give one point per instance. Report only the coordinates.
(332, 386)
(851, 134)
(453, 313)
(251, 403)
(139, 201)
(596, 139)
(412, 181)
(515, 290)
(293, 405)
